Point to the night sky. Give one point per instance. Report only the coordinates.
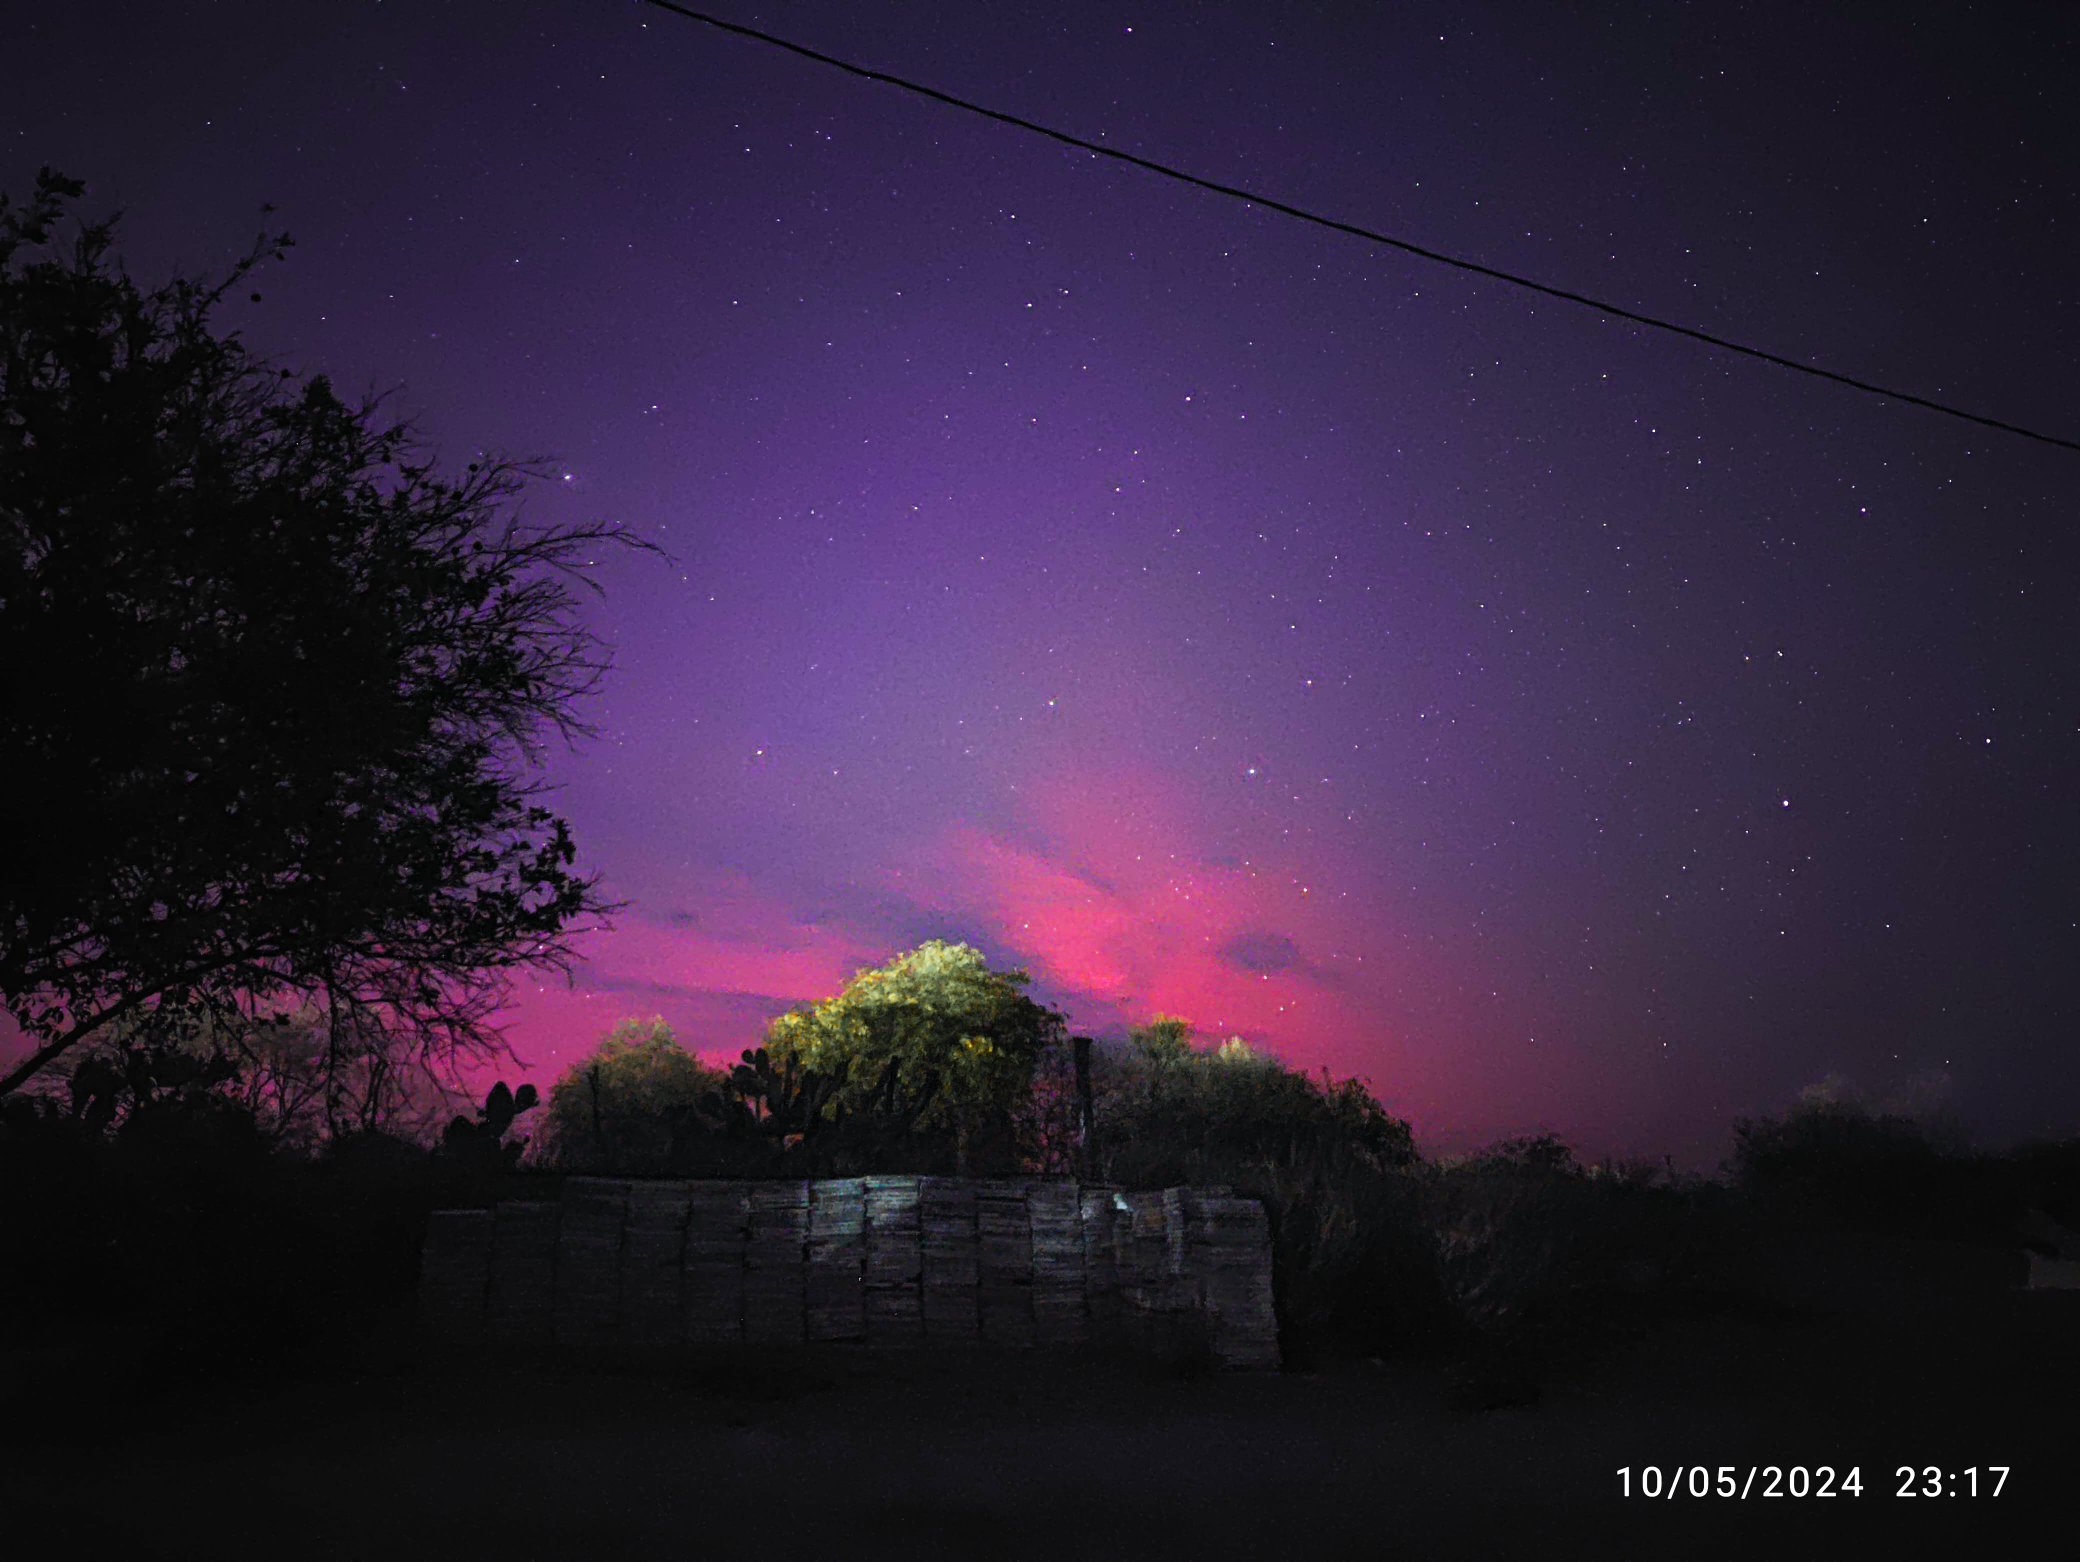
(1558, 723)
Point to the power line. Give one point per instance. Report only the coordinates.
(1356, 231)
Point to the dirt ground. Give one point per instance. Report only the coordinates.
(859, 1456)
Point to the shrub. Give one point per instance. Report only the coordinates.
(1168, 1113)
(615, 1109)
(1836, 1162)
(1322, 1156)
(772, 1118)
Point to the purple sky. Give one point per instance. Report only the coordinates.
(1562, 725)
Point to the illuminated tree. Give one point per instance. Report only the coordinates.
(935, 1033)
(1164, 1039)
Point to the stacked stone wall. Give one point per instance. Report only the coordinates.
(889, 1262)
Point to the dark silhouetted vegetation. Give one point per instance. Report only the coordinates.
(1835, 1159)
(181, 1189)
(273, 681)
(180, 1236)
(481, 1140)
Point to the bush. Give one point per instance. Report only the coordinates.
(182, 1240)
(1168, 1114)
(1518, 1255)
(773, 1118)
(1324, 1158)
(1835, 1162)
(620, 1108)
(1537, 1255)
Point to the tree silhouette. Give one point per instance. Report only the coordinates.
(271, 687)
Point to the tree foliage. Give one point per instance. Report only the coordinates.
(935, 1034)
(772, 1117)
(1166, 1039)
(1835, 1157)
(1169, 1110)
(271, 685)
(623, 1106)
